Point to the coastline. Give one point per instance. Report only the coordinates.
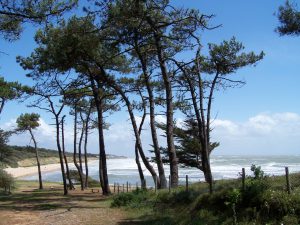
(31, 170)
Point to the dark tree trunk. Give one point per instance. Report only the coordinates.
(37, 160)
(103, 164)
(102, 155)
(169, 103)
(71, 186)
(113, 85)
(2, 105)
(60, 155)
(86, 133)
(80, 143)
(162, 178)
(137, 158)
(75, 147)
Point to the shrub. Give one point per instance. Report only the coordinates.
(6, 180)
(134, 199)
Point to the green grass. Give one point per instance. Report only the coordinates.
(264, 201)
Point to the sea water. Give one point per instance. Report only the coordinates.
(122, 170)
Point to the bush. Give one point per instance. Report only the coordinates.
(6, 180)
(137, 198)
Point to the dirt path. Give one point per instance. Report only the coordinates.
(28, 206)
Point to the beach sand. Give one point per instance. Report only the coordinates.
(31, 170)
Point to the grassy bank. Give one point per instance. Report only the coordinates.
(263, 201)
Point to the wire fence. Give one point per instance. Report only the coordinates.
(287, 182)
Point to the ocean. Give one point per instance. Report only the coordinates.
(122, 170)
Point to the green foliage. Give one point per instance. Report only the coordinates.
(28, 121)
(289, 18)
(74, 175)
(6, 180)
(134, 199)
(13, 13)
(188, 147)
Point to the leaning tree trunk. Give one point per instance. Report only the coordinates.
(102, 155)
(37, 160)
(137, 158)
(75, 148)
(80, 143)
(71, 186)
(169, 103)
(113, 85)
(161, 172)
(60, 155)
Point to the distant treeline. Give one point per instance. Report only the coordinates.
(11, 155)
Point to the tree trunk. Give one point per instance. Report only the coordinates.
(86, 133)
(102, 155)
(113, 85)
(169, 115)
(71, 186)
(60, 155)
(37, 160)
(137, 158)
(75, 147)
(162, 177)
(103, 164)
(80, 143)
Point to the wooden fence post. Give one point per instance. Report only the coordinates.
(169, 183)
(186, 183)
(288, 185)
(118, 188)
(155, 184)
(114, 187)
(243, 179)
(127, 186)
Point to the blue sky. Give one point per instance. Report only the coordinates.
(263, 117)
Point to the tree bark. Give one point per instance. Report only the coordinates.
(162, 177)
(71, 186)
(86, 133)
(102, 155)
(80, 143)
(75, 147)
(169, 103)
(113, 85)
(37, 160)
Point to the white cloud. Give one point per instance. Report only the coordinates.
(264, 133)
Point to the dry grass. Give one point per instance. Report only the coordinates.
(30, 206)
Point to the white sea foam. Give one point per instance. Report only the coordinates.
(223, 167)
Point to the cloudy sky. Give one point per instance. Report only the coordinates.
(263, 117)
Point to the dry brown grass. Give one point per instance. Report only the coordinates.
(30, 206)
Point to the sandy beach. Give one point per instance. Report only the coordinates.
(31, 170)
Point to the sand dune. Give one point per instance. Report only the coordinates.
(31, 170)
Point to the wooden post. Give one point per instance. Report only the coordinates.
(243, 179)
(155, 184)
(169, 183)
(127, 186)
(114, 187)
(118, 188)
(186, 183)
(288, 185)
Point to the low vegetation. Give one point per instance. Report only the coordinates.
(14, 156)
(264, 200)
